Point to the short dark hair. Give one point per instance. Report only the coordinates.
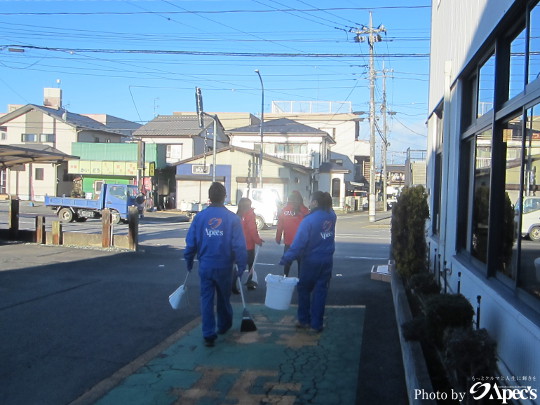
(324, 200)
(328, 201)
(217, 193)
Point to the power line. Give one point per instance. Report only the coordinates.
(328, 12)
(213, 53)
(148, 12)
(295, 10)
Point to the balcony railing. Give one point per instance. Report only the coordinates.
(298, 158)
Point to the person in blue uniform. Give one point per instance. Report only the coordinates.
(314, 245)
(216, 237)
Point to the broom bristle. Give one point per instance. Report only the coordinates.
(248, 325)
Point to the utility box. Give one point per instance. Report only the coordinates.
(382, 272)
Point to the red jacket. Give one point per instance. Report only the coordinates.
(288, 222)
(250, 230)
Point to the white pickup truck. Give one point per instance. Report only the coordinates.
(265, 202)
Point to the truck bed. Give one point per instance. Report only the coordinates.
(72, 202)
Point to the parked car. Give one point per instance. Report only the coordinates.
(265, 202)
(530, 220)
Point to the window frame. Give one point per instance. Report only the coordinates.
(39, 173)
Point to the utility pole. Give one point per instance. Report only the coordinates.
(200, 117)
(385, 143)
(261, 130)
(373, 36)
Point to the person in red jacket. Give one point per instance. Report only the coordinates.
(247, 216)
(289, 219)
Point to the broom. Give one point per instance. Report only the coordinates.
(247, 323)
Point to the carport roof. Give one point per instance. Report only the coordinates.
(11, 155)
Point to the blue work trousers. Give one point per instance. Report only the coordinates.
(215, 284)
(312, 291)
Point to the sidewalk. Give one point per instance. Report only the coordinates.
(277, 364)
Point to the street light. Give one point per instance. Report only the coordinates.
(261, 127)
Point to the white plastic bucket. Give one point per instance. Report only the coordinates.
(279, 291)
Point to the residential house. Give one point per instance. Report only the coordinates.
(298, 143)
(48, 127)
(336, 118)
(182, 135)
(236, 168)
(286, 139)
(483, 160)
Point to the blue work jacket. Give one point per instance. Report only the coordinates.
(314, 239)
(216, 237)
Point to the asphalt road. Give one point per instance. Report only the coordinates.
(72, 317)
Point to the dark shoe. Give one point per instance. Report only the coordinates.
(235, 289)
(251, 285)
(210, 341)
(300, 325)
(313, 330)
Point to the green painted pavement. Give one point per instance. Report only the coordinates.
(277, 364)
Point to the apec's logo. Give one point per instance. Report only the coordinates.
(213, 227)
(215, 223)
(327, 229)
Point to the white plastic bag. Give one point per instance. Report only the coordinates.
(176, 298)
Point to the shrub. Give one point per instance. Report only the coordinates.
(408, 231)
(424, 284)
(446, 311)
(469, 353)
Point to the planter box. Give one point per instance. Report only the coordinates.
(416, 371)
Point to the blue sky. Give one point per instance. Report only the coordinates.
(136, 59)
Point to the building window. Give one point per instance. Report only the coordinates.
(47, 138)
(534, 44)
(3, 133)
(509, 200)
(437, 178)
(480, 198)
(38, 138)
(486, 82)
(174, 152)
(3, 181)
(39, 174)
(528, 272)
(29, 137)
(517, 65)
(336, 192)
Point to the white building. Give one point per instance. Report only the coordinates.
(350, 151)
(483, 158)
